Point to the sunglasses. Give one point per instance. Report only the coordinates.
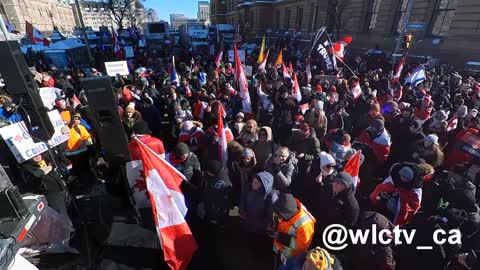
(329, 166)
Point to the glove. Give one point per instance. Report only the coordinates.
(65, 129)
(284, 239)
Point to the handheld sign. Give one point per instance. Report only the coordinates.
(117, 67)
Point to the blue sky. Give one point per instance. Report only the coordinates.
(166, 7)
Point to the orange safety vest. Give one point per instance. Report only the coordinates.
(300, 227)
(78, 140)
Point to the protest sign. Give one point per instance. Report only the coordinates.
(48, 96)
(117, 67)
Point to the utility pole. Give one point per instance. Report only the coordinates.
(82, 24)
(408, 12)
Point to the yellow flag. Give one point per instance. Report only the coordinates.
(279, 60)
(262, 49)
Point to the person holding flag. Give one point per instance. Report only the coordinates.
(261, 55)
(243, 86)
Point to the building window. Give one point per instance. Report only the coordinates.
(372, 13)
(298, 20)
(277, 19)
(286, 23)
(442, 17)
(399, 18)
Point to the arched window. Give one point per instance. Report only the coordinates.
(442, 17)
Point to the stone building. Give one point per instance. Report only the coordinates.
(203, 13)
(448, 29)
(94, 15)
(43, 14)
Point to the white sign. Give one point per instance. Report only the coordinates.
(231, 56)
(21, 144)
(117, 67)
(248, 70)
(48, 95)
(129, 51)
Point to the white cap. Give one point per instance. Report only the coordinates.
(131, 105)
(326, 159)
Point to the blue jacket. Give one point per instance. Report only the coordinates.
(10, 116)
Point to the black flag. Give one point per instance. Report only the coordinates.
(323, 46)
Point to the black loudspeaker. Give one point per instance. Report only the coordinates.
(104, 110)
(21, 87)
(12, 206)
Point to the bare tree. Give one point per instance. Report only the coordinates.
(119, 10)
(336, 9)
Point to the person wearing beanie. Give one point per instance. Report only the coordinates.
(306, 146)
(366, 120)
(240, 172)
(283, 117)
(8, 113)
(399, 196)
(430, 151)
(291, 237)
(216, 193)
(377, 138)
(129, 118)
(142, 133)
(238, 124)
(409, 143)
(192, 135)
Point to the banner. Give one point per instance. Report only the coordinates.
(470, 143)
(231, 56)
(48, 96)
(322, 45)
(120, 67)
(21, 144)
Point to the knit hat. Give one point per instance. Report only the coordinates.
(407, 173)
(377, 124)
(66, 116)
(403, 105)
(247, 152)
(240, 115)
(462, 111)
(432, 138)
(58, 102)
(131, 105)
(180, 149)
(130, 109)
(318, 88)
(326, 159)
(345, 178)
(180, 114)
(286, 206)
(416, 124)
(304, 130)
(472, 114)
(141, 128)
(213, 166)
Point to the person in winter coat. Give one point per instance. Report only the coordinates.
(366, 120)
(283, 116)
(377, 139)
(400, 125)
(142, 132)
(243, 169)
(294, 228)
(430, 151)
(9, 114)
(130, 117)
(264, 148)
(256, 203)
(460, 152)
(317, 119)
(282, 166)
(216, 195)
(192, 135)
(185, 162)
(306, 146)
(404, 147)
(153, 117)
(344, 207)
(249, 134)
(339, 119)
(373, 256)
(399, 196)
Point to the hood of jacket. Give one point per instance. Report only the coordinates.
(269, 133)
(267, 182)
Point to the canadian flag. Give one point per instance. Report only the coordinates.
(339, 47)
(75, 101)
(264, 62)
(285, 72)
(222, 137)
(188, 92)
(290, 67)
(162, 184)
(452, 123)
(356, 90)
(243, 86)
(199, 109)
(398, 71)
(353, 167)
(34, 35)
(218, 59)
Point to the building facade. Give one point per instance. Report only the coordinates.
(448, 29)
(95, 15)
(43, 14)
(176, 20)
(203, 13)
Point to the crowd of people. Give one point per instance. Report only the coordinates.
(284, 178)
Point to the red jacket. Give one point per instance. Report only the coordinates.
(155, 144)
(127, 95)
(379, 145)
(408, 201)
(458, 154)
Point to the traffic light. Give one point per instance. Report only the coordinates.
(407, 41)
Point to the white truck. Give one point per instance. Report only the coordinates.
(194, 35)
(155, 33)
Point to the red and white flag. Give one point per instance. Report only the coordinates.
(222, 137)
(218, 59)
(356, 90)
(398, 71)
(308, 70)
(75, 101)
(285, 72)
(34, 35)
(243, 86)
(452, 123)
(188, 92)
(264, 62)
(290, 67)
(199, 109)
(353, 167)
(296, 88)
(162, 182)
